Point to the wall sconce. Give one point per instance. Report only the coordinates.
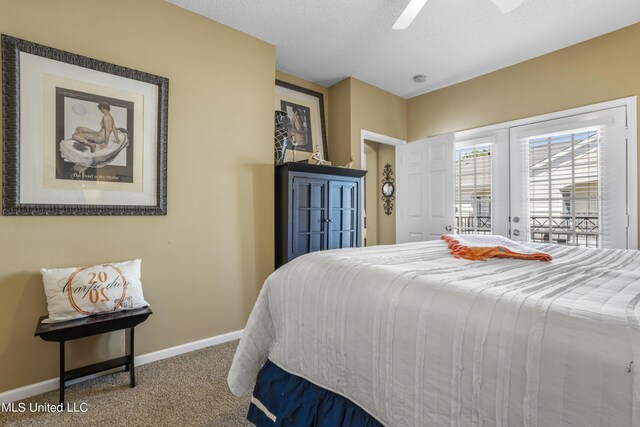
(388, 189)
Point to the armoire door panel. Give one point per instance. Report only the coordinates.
(316, 242)
(302, 245)
(304, 221)
(318, 195)
(336, 196)
(343, 198)
(309, 227)
(317, 221)
(347, 219)
(303, 196)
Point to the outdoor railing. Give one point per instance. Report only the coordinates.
(473, 225)
(582, 231)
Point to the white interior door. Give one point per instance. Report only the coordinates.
(569, 180)
(426, 188)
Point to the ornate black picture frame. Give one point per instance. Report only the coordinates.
(80, 136)
(305, 110)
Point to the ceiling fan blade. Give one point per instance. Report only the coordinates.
(507, 6)
(408, 14)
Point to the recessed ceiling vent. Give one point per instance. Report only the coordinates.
(419, 78)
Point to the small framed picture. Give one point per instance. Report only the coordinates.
(307, 130)
(80, 136)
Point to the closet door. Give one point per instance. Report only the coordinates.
(344, 214)
(309, 215)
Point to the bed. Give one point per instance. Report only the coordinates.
(416, 337)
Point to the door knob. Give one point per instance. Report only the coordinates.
(448, 228)
(516, 219)
(516, 233)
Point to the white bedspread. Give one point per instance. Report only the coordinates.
(419, 338)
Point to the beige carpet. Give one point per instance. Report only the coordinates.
(186, 390)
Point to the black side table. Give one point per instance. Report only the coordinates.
(94, 325)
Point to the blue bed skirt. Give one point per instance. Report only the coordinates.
(283, 399)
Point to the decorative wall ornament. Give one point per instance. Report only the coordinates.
(388, 189)
(280, 137)
(316, 158)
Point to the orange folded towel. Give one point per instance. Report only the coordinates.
(480, 247)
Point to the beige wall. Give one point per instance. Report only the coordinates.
(204, 262)
(377, 111)
(356, 105)
(340, 119)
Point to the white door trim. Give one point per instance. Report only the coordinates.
(632, 156)
(382, 139)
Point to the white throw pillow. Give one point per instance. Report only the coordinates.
(83, 291)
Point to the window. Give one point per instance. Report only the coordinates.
(564, 187)
(473, 189)
(569, 179)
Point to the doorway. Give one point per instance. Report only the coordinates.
(379, 216)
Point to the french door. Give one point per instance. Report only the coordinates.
(561, 181)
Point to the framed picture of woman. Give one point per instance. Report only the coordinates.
(80, 136)
(306, 131)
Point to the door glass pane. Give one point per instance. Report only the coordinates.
(563, 188)
(473, 189)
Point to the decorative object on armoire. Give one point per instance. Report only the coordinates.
(388, 189)
(317, 207)
(316, 158)
(281, 136)
(350, 164)
(305, 109)
(76, 292)
(81, 136)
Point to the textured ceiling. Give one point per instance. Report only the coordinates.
(450, 41)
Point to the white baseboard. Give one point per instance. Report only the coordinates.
(143, 359)
(53, 384)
